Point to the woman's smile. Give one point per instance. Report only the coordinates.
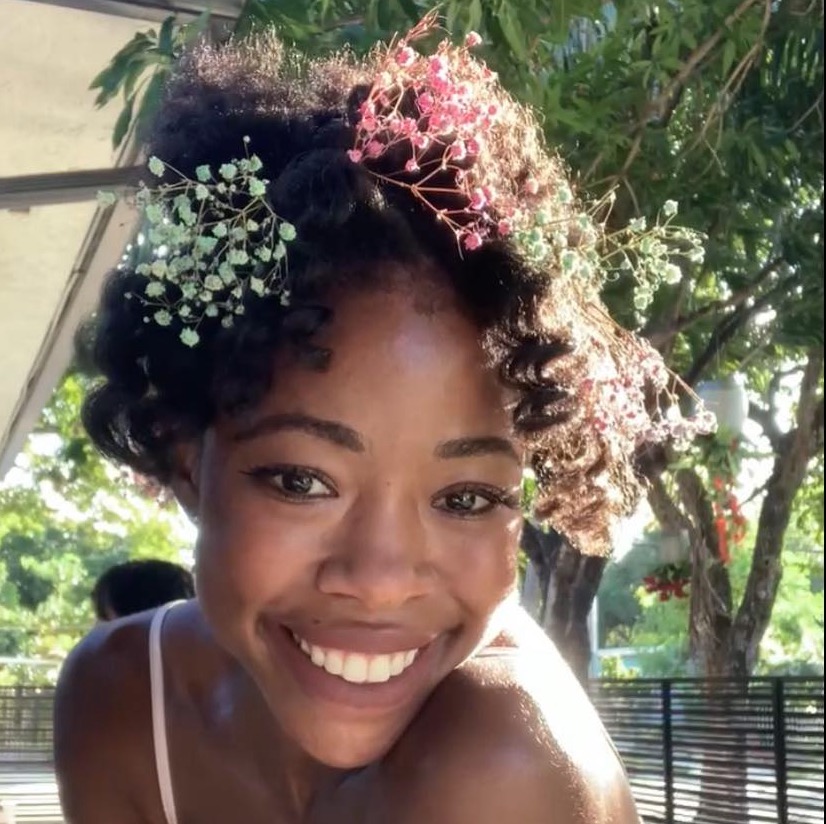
(373, 670)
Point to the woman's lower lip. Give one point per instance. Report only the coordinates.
(321, 685)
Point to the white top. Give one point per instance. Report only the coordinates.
(158, 704)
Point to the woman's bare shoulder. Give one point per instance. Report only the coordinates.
(510, 737)
(103, 722)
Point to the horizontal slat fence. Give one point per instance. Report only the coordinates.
(719, 751)
(26, 724)
(706, 752)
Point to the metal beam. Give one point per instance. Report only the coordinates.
(154, 10)
(26, 191)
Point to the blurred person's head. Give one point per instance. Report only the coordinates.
(135, 586)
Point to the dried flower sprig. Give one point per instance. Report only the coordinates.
(214, 241)
(453, 112)
(437, 110)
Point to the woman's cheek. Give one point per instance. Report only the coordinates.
(481, 562)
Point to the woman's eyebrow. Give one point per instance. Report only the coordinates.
(333, 431)
(475, 447)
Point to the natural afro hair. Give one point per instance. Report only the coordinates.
(299, 116)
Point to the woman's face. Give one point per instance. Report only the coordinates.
(359, 527)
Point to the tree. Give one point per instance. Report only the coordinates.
(719, 106)
(658, 631)
(65, 516)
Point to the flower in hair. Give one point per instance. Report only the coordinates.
(431, 115)
(213, 242)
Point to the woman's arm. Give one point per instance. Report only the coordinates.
(101, 723)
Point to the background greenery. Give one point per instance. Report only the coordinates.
(718, 106)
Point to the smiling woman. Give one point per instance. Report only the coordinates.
(341, 359)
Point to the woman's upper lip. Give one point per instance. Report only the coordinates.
(367, 638)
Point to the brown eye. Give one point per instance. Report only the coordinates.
(294, 483)
(466, 502)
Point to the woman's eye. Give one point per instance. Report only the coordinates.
(466, 502)
(294, 482)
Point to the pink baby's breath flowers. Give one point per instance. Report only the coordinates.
(473, 39)
(472, 240)
(478, 200)
(425, 102)
(532, 186)
(457, 151)
(455, 104)
(374, 148)
(438, 67)
(405, 57)
(419, 140)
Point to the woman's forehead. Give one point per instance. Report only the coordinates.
(398, 356)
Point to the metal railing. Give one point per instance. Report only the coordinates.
(719, 751)
(707, 752)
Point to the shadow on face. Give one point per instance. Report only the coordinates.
(358, 528)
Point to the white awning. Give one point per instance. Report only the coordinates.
(55, 153)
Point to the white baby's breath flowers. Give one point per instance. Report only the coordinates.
(215, 241)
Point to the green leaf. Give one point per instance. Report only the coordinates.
(109, 81)
(729, 55)
(452, 15)
(410, 8)
(474, 15)
(166, 37)
(122, 123)
(192, 31)
(130, 81)
(512, 32)
(151, 99)
(384, 14)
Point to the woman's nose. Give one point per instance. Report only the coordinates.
(379, 556)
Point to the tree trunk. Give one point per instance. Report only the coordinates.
(569, 581)
(725, 642)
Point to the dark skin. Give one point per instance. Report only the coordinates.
(366, 510)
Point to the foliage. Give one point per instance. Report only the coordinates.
(65, 516)
(658, 632)
(139, 71)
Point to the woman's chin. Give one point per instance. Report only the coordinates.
(348, 749)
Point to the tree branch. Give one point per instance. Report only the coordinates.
(663, 102)
(711, 598)
(723, 333)
(788, 473)
(666, 511)
(662, 336)
(765, 419)
(735, 80)
(701, 52)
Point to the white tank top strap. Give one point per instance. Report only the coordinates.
(158, 704)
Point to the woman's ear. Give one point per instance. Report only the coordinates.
(184, 480)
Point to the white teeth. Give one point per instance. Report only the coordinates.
(397, 663)
(379, 670)
(356, 667)
(317, 656)
(333, 661)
